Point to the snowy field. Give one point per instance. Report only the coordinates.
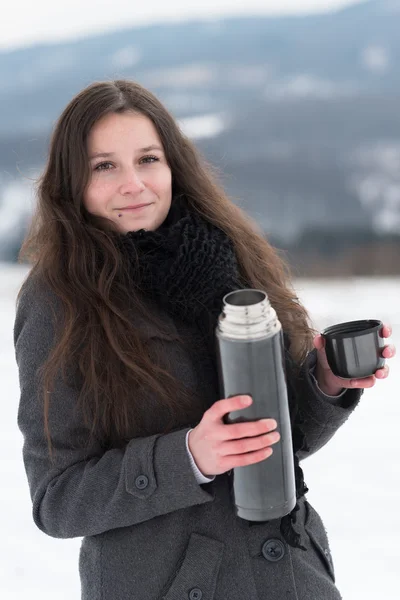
(354, 481)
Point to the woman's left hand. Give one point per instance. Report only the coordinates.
(332, 385)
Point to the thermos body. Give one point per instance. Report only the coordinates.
(251, 361)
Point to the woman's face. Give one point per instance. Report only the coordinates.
(128, 168)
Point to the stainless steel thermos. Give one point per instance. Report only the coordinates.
(250, 353)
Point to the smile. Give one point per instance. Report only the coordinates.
(133, 208)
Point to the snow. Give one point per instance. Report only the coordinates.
(204, 126)
(376, 58)
(375, 180)
(125, 58)
(353, 481)
(306, 85)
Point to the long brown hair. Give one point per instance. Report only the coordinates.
(73, 252)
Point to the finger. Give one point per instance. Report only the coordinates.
(226, 405)
(237, 431)
(244, 445)
(319, 342)
(382, 373)
(366, 382)
(386, 331)
(389, 351)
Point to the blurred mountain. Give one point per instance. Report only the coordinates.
(300, 114)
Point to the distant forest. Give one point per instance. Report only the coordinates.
(336, 254)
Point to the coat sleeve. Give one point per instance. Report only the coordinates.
(90, 490)
(321, 417)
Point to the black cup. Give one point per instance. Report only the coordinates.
(354, 349)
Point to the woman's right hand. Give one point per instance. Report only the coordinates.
(218, 447)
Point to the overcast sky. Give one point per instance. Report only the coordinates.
(24, 22)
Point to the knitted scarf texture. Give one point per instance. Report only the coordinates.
(187, 266)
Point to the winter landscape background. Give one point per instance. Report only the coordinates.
(354, 481)
(299, 114)
(301, 117)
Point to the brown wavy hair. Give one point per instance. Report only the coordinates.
(74, 253)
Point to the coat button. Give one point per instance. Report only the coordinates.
(273, 550)
(195, 594)
(141, 482)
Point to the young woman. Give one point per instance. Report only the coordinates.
(133, 247)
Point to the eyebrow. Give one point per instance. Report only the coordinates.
(110, 154)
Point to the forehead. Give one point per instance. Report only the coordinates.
(119, 129)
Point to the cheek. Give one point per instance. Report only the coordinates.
(164, 182)
(96, 194)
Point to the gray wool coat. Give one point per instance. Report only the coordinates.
(150, 531)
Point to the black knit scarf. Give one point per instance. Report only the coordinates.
(187, 266)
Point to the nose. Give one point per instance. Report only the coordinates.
(131, 183)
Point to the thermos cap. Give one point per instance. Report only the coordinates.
(248, 314)
(353, 349)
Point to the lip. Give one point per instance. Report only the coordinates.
(135, 207)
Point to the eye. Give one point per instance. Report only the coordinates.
(102, 166)
(149, 159)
